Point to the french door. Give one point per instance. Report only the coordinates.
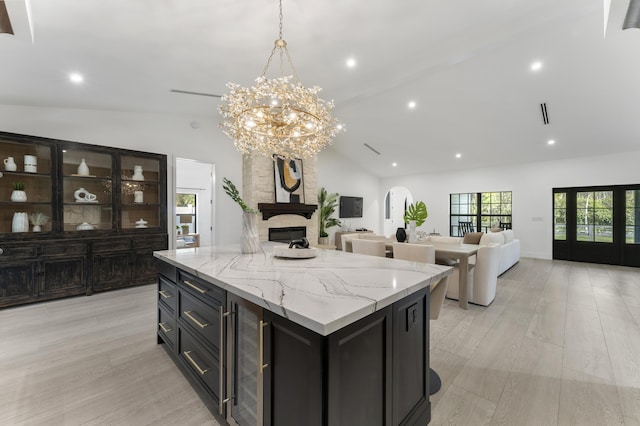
(599, 224)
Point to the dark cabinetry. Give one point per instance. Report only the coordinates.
(190, 324)
(88, 219)
(279, 373)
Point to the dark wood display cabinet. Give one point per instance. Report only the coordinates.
(77, 218)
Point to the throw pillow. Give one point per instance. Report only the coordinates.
(472, 237)
(492, 238)
(508, 235)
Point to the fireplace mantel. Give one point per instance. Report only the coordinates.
(274, 209)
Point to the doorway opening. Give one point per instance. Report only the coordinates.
(194, 208)
(396, 202)
(597, 224)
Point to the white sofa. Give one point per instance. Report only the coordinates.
(509, 253)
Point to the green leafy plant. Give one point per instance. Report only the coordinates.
(233, 192)
(327, 204)
(18, 186)
(417, 212)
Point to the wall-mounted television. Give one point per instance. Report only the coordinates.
(350, 207)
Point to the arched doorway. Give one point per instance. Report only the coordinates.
(396, 202)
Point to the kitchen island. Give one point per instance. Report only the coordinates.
(336, 339)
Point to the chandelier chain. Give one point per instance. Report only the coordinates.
(280, 35)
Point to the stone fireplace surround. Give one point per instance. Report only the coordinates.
(258, 186)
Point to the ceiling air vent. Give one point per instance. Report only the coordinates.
(545, 114)
(371, 148)
(187, 92)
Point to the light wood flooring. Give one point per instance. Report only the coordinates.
(560, 345)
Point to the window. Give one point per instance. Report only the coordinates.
(186, 213)
(480, 211)
(560, 216)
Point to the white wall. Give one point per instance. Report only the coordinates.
(531, 185)
(159, 133)
(338, 174)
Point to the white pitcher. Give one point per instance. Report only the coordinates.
(10, 164)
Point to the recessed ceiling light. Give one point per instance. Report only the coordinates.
(551, 142)
(76, 78)
(458, 155)
(412, 104)
(536, 66)
(351, 62)
(394, 164)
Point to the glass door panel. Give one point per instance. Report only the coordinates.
(140, 192)
(632, 217)
(245, 379)
(25, 187)
(560, 216)
(87, 194)
(594, 216)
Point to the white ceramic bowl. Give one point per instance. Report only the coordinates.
(295, 253)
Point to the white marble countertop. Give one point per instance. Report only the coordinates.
(323, 294)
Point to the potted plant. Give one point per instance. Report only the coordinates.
(415, 216)
(37, 220)
(18, 195)
(326, 207)
(249, 240)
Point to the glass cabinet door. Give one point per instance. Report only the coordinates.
(140, 192)
(87, 190)
(25, 187)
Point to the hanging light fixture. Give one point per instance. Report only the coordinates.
(278, 116)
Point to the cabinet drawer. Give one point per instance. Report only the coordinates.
(208, 291)
(168, 270)
(63, 248)
(201, 363)
(167, 294)
(167, 325)
(153, 242)
(13, 252)
(112, 244)
(201, 318)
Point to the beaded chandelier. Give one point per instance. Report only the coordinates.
(278, 116)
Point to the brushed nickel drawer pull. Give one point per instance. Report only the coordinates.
(165, 295)
(164, 328)
(195, 287)
(187, 354)
(192, 318)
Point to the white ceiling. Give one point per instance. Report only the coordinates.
(466, 64)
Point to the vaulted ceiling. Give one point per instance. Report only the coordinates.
(465, 64)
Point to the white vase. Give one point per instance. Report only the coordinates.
(249, 240)
(413, 237)
(83, 169)
(37, 228)
(137, 173)
(18, 196)
(20, 222)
